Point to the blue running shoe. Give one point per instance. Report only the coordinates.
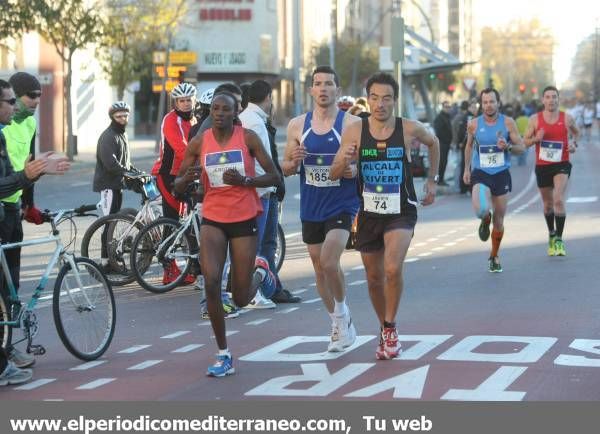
(223, 366)
(268, 285)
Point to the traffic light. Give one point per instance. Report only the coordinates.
(432, 76)
(534, 90)
(522, 88)
(451, 89)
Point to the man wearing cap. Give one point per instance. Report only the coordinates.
(20, 145)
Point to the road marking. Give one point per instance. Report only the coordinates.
(425, 254)
(312, 300)
(88, 365)
(430, 240)
(95, 384)
(176, 334)
(292, 235)
(313, 284)
(205, 323)
(299, 291)
(452, 232)
(420, 244)
(411, 259)
(54, 399)
(134, 349)
(297, 196)
(458, 240)
(188, 348)
(81, 184)
(524, 191)
(357, 282)
(144, 365)
(582, 199)
(229, 333)
(437, 249)
(35, 384)
(258, 321)
(358, 267)
(288, 310)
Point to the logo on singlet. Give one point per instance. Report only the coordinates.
(369, 152)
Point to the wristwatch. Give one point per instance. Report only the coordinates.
(509, 147)
(436, 178)
(247, 180)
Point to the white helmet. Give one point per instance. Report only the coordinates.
(206, 97)
(119, 106)
(183, 90)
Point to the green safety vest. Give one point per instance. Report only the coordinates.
(18, 145)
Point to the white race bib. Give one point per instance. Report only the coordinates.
(316, 170)
(382, 203)
(551, 151)
(217, 163)
(490, 156)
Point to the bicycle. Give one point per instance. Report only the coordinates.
(166, 247)
(83, 304)
(280, 240)
(120, 229)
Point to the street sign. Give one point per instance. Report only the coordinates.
(176, 57)
(172, 72)
(469, 83)
(170, 85)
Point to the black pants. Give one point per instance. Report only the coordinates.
(463, 187)
(11, 231)
(3, 360)
(444, 149)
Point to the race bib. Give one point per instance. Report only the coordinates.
(217, 163)
(491, 156)
(382, 199)
(316, 170)
(551, 151)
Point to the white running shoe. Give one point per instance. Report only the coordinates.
(343, 334)
(260, 302)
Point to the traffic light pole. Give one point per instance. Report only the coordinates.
(397, 53)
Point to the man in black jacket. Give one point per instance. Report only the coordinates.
(443, 130)
(113, 159)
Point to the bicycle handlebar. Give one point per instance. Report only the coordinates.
(48, 216)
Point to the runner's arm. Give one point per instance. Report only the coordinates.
(574, 132)
(516, 141)
(471, 126)
(294, 152)
(421, 134)
(347, 152)
(531, 138)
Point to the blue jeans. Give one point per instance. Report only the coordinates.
(269, 240)
(261, 222)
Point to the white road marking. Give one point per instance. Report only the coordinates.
(81, 184)
(583, 199)
(437, 249)
(430, 240)
(313, 284)
(95, 384)
(134, 349)
(299, 291)
(176, 334)
(420, 244)
(288, 310)
(88, 365)
(357, 282)
(411, 260)
(358, 267)
(524, 191)
(425, 254)
(188, 348)
(292, 235)
(258, 321)
(144, 365)
(35, 384)
(205, 323)
(312, 300)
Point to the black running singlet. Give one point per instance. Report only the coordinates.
(385, 183)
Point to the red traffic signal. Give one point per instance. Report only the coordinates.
(451, 88)
(522, 88)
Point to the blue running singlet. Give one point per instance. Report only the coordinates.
(320, 197)
(487, 157)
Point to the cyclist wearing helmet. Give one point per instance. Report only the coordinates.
(113, 159)
(202, 111)
(345, 102)
(175, 130)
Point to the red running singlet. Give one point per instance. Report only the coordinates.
(554, 147)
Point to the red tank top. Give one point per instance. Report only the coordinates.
(555, 144)
(227, 203)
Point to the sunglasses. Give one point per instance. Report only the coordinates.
(11, 101)
(34, 95)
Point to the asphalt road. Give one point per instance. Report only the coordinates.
(530, 333)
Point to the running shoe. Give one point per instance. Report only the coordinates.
(230, 309)
(223, 366)
(343, 334)
(170, 272)
(484, 227)
(268, 284)
(559, 248)
(494, 265)
(260, 302)
(21, 359)
(14, 375)
(552, 245)
(389, 347)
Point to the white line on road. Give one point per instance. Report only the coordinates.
(358, 267)
(95, 384)
(292, 235)
(229, 333)
(258, 321)
(205, 323)
(81, 184)
(420, 244)
(430, 240)
(299, 291)
(35, 384)
(437, 249)
(411, 259)
(134, 349)
(313, 284)
(524, 191)
(357, 282)
(144, 365)
(88, 365)
(176, 334)
(584, 199)
(312, 300)
(188, 348)
(288, 310)
(458, 240)
(425, 254)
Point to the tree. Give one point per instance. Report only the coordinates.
(586, 66)
(68, 25)
(366, 62)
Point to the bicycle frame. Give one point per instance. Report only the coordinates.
(192, 219)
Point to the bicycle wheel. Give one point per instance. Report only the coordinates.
(160, 258)
(280, 248)
(120, 233)
(5, 330)
(84, 309)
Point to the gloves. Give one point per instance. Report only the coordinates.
(33, 215)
